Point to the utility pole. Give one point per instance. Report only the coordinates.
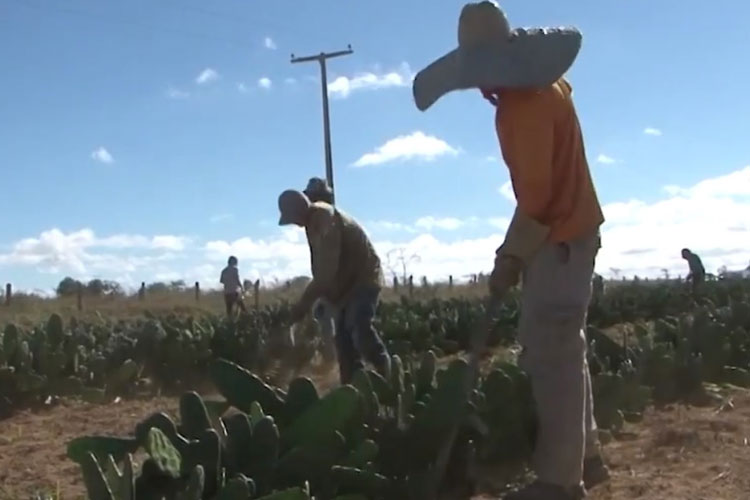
(321, 58)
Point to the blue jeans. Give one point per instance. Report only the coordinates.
(356, 337)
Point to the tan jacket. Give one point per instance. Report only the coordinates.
(341, 256)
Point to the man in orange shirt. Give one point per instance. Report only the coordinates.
(553, 237)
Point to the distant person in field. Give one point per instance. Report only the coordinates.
(230, 278)
(346, 273)
(697, 274)
(553, 238)
(318, 190)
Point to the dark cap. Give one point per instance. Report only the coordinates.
(292, 205)
(318, 190)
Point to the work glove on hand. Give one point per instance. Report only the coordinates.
(505, 275)
(522, 241)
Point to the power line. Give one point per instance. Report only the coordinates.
(321, 58)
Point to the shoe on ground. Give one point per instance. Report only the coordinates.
(595, 471)
(545, 491)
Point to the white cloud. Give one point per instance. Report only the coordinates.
(175, 93)
(446, 223)
(265, 83)
(206, 76)
(82, 252)
(712, 217)
(652, 131)
(269, 43)
(384, 225)
(501, 223)
(169, 242)
(101, 155)
(605, 160)
(290, 80)
(243, 88)
(416, 145)
(506, 190)
(343, 86)
(641, 238)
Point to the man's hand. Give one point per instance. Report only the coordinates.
(505, 275)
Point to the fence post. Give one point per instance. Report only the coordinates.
(79, 296)
(197, 291)
(8, 293)
(411, 285)
(142, 291)
(450, 281)
(395, 283)
(256, 294)
(424, 282)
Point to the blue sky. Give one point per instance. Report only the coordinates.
(146, 140)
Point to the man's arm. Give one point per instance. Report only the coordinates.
(525, 128)
(325, 246)
(526, 133)
(238, 281)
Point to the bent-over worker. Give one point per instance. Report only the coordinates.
(697, 274)
(318, 190)
(346, 272)
(553, 237)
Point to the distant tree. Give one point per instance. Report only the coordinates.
(177, 285)
(99, 287)
(95, 287)
(67, 287)
(157, 287)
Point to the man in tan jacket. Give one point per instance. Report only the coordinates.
(318, 190)
(346, 273)
(553, 238)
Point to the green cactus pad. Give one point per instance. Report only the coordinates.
(194, 417)
(101, 447)
(331, 413)
(93, 478)
(301, 395)
(161, 450)
(241, 388)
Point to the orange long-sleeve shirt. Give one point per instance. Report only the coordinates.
(542, 145)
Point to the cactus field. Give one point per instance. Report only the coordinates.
(195, 406)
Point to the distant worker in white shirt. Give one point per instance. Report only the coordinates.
(230, 278)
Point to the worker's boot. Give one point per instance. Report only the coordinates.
(595, 471)
(545, 491)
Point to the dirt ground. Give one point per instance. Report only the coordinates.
(674, 453)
